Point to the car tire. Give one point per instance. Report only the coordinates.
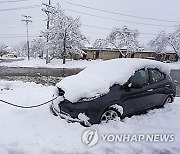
(110, 114)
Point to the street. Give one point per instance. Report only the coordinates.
(51, 76)
(35, 72)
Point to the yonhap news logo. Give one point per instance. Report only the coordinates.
(137, 137)
(90, 137)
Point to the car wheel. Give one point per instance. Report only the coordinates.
(169, 99)
(109, 115)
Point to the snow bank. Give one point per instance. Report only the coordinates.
(24, 93)
(97, 80)
(55, 63)
(37, 131)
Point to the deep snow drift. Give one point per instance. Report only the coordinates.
(36, 131)
(97, 79)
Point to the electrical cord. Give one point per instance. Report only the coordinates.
(28, 107)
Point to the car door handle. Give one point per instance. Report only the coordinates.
(167, 85)
(150, 90)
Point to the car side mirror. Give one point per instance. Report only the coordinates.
(135, 85)
(125, 86)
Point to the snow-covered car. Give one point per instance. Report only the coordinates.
(112, 90)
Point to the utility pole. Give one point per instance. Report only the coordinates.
(47, 11)
(27, 20)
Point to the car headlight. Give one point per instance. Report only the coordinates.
(89, 99)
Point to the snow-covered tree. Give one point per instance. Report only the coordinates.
(3, 48)
(20, 49)
(64, 34)
(174, 40)
(159, 43)
(119, 38)
(124, 37)
(37, 47)
(100, 43)
(163, 40)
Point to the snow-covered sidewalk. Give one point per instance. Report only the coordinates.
(36, 131)
(55, 63)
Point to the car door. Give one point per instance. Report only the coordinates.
(137, 95)
(159, 84)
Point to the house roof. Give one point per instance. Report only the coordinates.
(103, 50)
(91, 49)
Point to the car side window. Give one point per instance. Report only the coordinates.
(157, 75)
(140, 77)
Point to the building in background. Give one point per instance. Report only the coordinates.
(108, 53)
(104, 54)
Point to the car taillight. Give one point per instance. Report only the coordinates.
(61, 92)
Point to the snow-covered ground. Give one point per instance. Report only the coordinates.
(12, 58)
(37, 131)
(55, 63)
(174, 65)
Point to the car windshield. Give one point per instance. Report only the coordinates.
(140, 77)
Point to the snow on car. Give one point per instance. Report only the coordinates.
(99, 78)
(130, 85)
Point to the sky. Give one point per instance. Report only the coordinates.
(98, 17)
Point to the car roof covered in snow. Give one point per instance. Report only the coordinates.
(97, 79)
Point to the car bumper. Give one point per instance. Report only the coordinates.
(63, 115)
(66, 116)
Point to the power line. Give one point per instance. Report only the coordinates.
(122, 14)
(98, 17)
(23, 26)
(111, 29)
(96, 27)
(13, 1)
(20, 8)
(86, 25)
(117, 19)
(8, 37)
(5, 22)
(16, 34)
